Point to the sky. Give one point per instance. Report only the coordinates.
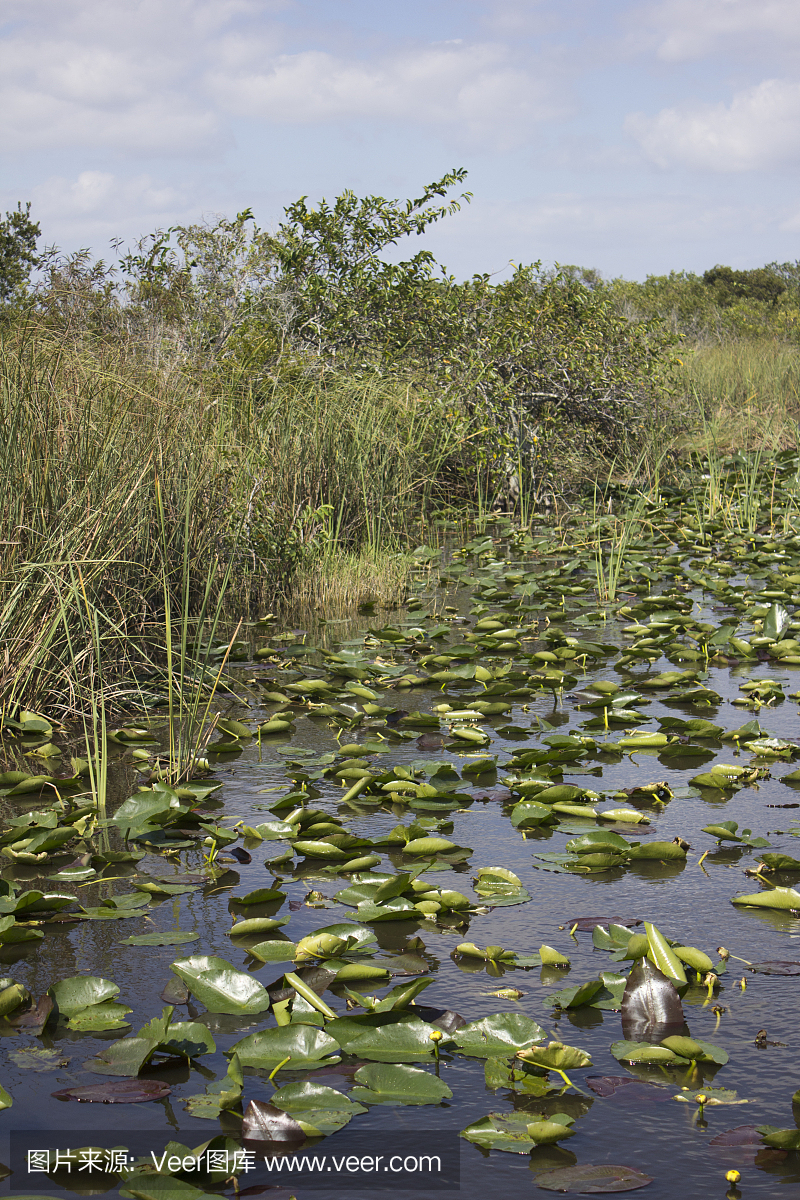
(631, 137)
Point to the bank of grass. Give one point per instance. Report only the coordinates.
(745, 395)
(122, 485)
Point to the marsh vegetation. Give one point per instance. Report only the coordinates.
(470, 612)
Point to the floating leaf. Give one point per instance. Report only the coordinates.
(220, 987)
(134, 1091)
(316, 1107)
(382, 1083)
(593, 1179)
(395, 1037)
(498, 1035)
(556, 1056)
(79, 992)
(784, 899)
(175, 938)
(518, 1132)
(306, 1046)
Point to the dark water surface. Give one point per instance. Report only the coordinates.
(642, 1126)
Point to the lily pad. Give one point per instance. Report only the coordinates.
(133, 1091)
(584, 1180)
(498, 1035)
(215, 983)
(306, 1046)
(315, 1106)
(393, 1037)
(382, 1083)
(518, 1132)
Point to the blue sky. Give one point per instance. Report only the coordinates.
(633, 137)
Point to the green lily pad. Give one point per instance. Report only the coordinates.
(215, 983)
(498, 1035)
(384, 1083)
(322, 1108)
(392, 1037)
(306, 1047)
(518, 1132)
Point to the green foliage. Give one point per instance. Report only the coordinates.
(18, 236)
(719, 306)
(728, 285)
(540, 364)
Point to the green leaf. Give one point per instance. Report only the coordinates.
(518, 1075)
(79, 992)
(780, 1139)
(517, 1132)
(663, 956)
(692, 1048)
(783, 898)
(498, 1036)
(776, 621)
(126, 1057)
(221, 1095)
(144, 808)
(556, 1056)
(305, 1045)
(382, 1083)
(274, 951)
(576, 996)
(189, 1039)
(99, 1017)
(644, 1052)
(659, 851)
(314, 1105)
(176, 938)
(395, 1036)
(215, 983)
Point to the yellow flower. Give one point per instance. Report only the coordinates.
(732, 1176)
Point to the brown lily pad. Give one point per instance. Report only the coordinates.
(607, 1085)
(742, 1135)
(130, 1091)
(176, 992)
(605, 1177)
(34, 1019)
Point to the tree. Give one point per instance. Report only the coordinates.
(729, 286)
(18, 257)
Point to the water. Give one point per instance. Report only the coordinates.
(642, 1127)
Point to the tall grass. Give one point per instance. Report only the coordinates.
(747, 392)
(129, 494)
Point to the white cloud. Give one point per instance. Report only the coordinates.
(97, 205)
(686, 29)
(475, 88)
(166, 77)
(105, 75)
(759, 129)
